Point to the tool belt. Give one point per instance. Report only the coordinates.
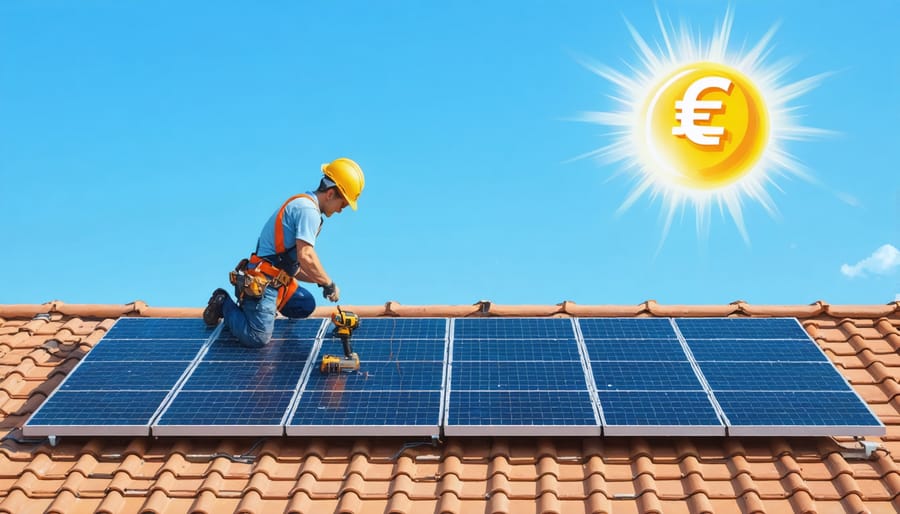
(252, 282)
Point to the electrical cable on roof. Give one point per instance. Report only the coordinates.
(23, 440)
(245, 458)
(410, 445)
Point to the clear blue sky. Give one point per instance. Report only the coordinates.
(144, 144)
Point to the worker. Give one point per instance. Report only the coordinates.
(285, 252)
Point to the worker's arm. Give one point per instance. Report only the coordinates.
(311, 269)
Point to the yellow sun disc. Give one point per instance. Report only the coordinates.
(706, 125)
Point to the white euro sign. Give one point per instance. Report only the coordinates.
(689, 105)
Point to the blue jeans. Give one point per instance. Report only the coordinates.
(252, 322)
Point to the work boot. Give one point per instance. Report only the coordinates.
(213, 312)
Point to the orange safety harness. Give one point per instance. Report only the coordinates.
(264, 270)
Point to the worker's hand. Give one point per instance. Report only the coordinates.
(331, 292)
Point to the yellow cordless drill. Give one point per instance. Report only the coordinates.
(345, 322)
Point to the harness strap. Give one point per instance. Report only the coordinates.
(279, 227)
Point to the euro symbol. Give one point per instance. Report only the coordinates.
(689, 105)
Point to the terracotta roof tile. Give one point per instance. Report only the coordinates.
(40, 344)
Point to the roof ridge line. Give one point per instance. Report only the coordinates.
(566, 308)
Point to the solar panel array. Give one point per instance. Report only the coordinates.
(466, 376)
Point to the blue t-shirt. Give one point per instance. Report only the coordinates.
(302, 220)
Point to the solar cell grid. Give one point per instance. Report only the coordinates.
(755, 350)
(750, 410)
(159, 328)
(399, 328)
(382, 376)
(114, 376)
(740, 328)
(658, 408)
(100, 408)
(521, 375)
(227, 408)
(244, 376)
(145, 350)
(226, 348)
(645, 376)
(515, 350)
(626, 328)
(772, 376)
(635, 350)
(296, 328)
(373, 350)
(519, 408)
(513, 328)
(366, 408)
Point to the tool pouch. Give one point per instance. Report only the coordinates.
(252, 286)
(247, 284)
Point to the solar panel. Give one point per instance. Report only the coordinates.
(645, 381)
(119, 387)
(769, 378)
(398, 389)
(514, 376)
(233, 390)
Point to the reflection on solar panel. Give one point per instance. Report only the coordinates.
(237, 391)
(483, 377)
(645, 381)
(770, 378)
(123, 382)
(518, 377)
(397, 390)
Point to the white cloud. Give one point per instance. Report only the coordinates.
(882, 262)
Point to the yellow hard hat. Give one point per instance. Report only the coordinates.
(347, 176)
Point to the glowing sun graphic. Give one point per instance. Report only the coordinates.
(700, 125)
